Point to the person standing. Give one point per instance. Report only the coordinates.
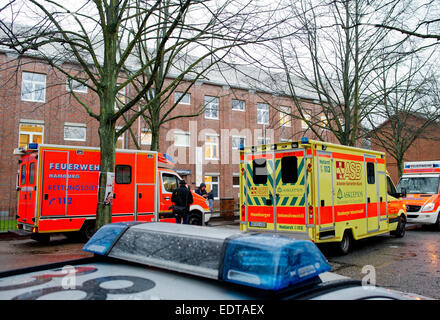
(182, 198)
(209, 196)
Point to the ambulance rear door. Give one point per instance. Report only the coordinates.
(259, 190)
(291, 190)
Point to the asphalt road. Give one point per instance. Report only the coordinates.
(410, 264)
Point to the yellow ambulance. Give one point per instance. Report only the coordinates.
(319, 191)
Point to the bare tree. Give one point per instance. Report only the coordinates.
(115, 44)
(406, 107)
(327, 52)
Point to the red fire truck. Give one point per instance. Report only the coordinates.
(58, 189)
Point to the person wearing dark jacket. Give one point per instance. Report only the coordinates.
(209, 196)
(182, 198)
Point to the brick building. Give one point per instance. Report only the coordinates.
(424, 148)
(36, 106)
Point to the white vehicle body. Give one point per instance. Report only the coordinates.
(421, 181)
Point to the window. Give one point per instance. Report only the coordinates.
(211, 107)
(237, 142)
(289, 169)
(212, 185)
(33, 87)
(185, 98)
(32, 173)
(146, 136)
(123, 174)
(120, 98)
(370, 173)
(285, 118)
(391, 190)
(121, 139)
(23, 175)
(170, 182)
(263, 140)
(30, 133)
(259, 171)
(304, 123)
(76, 86)
(324, 122)
(211, 147)
(181, 139)
(236, 181)
(262, 113)
(75, 131)
(237, 105)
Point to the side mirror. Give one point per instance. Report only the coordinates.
(403, 193)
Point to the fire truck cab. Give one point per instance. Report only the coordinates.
(421, 180)
(319, 191)
(58, 189)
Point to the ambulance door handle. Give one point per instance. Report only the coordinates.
(25, 196)
(167, 198)
(46, 196)
(140, 195)
(368, 199)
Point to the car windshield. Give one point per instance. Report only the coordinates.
(419, 185)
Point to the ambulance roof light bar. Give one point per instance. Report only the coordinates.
(264, 261)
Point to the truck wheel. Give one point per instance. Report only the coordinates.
(401, 228)
(87, 230)
(437, 223)
(346, 244)
(43, 238)
(195, 218)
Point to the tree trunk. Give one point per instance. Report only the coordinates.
(399, 162)
(107, 144)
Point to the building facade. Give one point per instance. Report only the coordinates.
(37, 106)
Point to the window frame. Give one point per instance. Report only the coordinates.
(32, 173)
(235, 109)
(31, 134)
(283, 175)
(265, 111)
(23, 174)
(207, 183)
(146, 131)
(285, 118)
(206, 104)
(33, 91)
(237, 137)
(217, 144)
(182, 100)
(371, 179)
(164, 190)
(116, 173)
(76, 90)
(186, 133)
(74, 125)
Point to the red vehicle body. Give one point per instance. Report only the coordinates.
(58, 189)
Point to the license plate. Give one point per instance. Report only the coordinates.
(258, 224)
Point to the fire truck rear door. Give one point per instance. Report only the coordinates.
(55, 183)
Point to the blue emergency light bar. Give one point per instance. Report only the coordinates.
(264, 261)
(31, 146)
(304, 140)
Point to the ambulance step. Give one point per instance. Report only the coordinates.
(326, 234)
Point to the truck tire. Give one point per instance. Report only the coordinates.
(437, 223)
(87, 230)
(195, 218)
(346, 244)
(43, 238)
(401, 228)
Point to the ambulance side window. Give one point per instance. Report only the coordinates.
(170, 182)
(289, 169)
(391, 190)
(32, 173)
(370, 173)
(23, 175)
(123, 174)
(259, 171)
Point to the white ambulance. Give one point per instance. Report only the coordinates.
(421, 180)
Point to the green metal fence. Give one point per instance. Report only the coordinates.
(7, 223)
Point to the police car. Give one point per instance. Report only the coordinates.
(184, 262)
